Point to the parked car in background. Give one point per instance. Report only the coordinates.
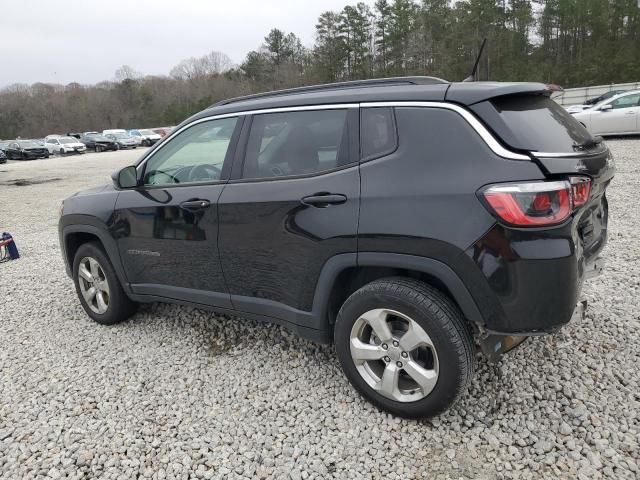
(122, 139)
(98, 142)
(145, 136)
(92, 133)
(56, 144)
(593, 101)
(619, 115)
(3, 157)
(25, 150)
(74, 134)
(163, 131)
(114, 130)
(3, 145)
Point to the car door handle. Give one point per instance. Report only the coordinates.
(322, 200)
(633, 112)
(197, 204)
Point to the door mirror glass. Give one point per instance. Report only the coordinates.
(126, 178)
(606, 108)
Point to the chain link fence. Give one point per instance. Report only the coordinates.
(577, 96)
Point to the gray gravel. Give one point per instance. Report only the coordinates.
(182, 393)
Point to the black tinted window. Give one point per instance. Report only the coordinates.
(537, 123)
(296, 143)
(377, 132)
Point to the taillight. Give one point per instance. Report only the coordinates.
(534, 204)
(580, 189)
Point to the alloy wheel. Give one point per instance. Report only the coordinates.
(94, 286)
(394, 355)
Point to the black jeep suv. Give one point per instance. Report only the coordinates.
(406, 220)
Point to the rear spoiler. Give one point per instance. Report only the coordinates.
(474, 92)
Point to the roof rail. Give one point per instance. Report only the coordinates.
(373, 82)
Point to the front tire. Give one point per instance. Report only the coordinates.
(405, 347)
(98, 287)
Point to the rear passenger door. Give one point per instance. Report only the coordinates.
(291, 204)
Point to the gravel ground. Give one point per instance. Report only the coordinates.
(181, 393)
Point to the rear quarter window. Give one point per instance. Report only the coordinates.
(533, 123)
(377, 132)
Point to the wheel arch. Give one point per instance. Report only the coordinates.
(343, 275)
(73, 236)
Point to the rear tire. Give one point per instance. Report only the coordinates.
(98, 287)
(409, 382)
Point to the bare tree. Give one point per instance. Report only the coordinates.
(212, 63)
(126, 72)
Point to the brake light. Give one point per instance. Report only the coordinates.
(534, 204)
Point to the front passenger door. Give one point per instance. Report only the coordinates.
(167, 227)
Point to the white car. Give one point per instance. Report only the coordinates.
(62, 145)
(145, 136)
(619, 115)
(594, 101)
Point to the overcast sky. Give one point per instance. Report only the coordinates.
(63, 41)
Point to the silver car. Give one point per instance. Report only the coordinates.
(619, 115)
(123, 140)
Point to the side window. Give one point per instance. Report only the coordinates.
(196, 154)
(626, 101)
(377, 132)
(296, 143)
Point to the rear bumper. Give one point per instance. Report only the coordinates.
(495, 345)
(532, 279)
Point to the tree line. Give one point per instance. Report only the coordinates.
(567, 42)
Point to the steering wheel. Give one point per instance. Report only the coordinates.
(161, 172)
(204, 172)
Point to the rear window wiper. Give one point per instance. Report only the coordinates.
(592, 142)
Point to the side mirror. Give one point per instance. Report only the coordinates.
(606, 108)
(125, 178)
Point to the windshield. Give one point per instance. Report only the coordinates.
(99, 138)
(29, 144)
(67, 140)
(120, 135)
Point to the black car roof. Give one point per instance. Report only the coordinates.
(424, 89)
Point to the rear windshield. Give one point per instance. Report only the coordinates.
(535, 123)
